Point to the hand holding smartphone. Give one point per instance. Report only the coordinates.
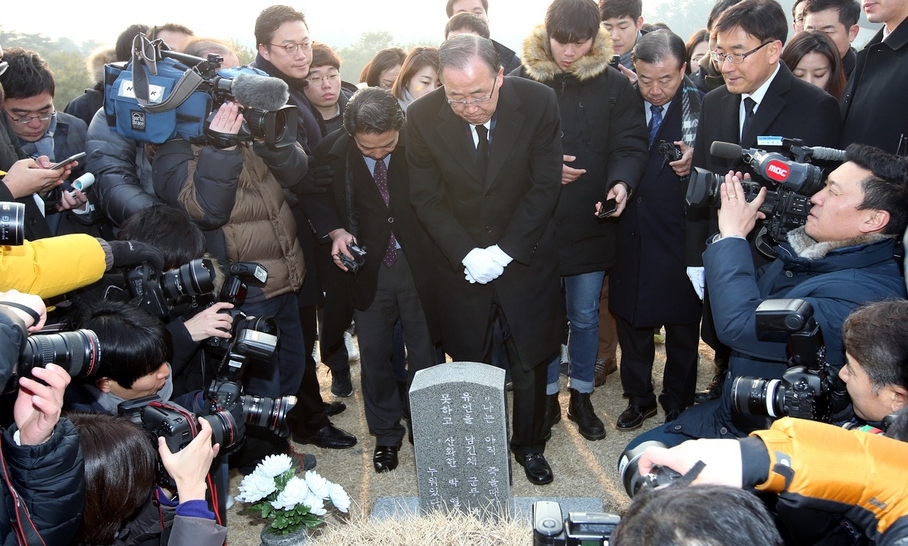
(70, 159)
(608, 208)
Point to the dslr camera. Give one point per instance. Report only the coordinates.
(158, 292)
(629, 471)
(790, 185)
(551, 528)
(669, 151)
(359, 258)
(234, 291)
(78, 352)
(178, 426)
(809, 389)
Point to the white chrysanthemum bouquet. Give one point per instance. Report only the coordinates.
(278, 494)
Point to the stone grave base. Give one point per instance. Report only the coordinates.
(521, 507)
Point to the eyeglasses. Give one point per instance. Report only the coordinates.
(735, 58)
(474, 102)
(317, 80)
(291, 49)
(25, 120)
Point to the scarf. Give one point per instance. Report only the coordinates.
(691, 103)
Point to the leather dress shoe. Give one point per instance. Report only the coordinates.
(536, 468)
(633, 415)
(327, 437)
(672, 414)
(333, 408)
(385, 458)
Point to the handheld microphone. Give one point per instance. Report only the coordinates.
(82, 183)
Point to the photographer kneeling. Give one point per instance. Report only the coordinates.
(843, 257)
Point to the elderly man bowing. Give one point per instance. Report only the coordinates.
(485, 169)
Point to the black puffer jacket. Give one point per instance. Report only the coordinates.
(49, 478)
(122, 171)
(604, 126)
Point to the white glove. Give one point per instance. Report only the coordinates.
(695, 274)
(481, 267)
(499, 255)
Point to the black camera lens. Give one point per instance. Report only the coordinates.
(703, 187)
(758, 396)
(12, 223)
(276, 127)
(224, 430)
(628, 469)
(79, 352)
(270, 413)
(193, 279)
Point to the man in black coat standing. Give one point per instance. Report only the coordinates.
(369, 205)
(873, 107)
(649, 287)
(760, 98)
(485, 166)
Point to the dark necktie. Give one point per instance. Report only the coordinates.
(749, 105)
(482, 148)
(381, 180)
(655, 122)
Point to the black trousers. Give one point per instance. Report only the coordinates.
(395, 298)
(638, 350)
(529, 389)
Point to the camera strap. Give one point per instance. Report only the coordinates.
(24, 308)
(26, 532)
(148, 53)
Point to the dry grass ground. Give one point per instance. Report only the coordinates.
(582, 469)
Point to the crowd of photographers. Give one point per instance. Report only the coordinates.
(168, 262)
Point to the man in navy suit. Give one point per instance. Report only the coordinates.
(485, 168)
(760, 98)
(369, 204)
(649, 287)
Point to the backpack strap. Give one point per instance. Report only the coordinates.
(26, 532)
(148, 53)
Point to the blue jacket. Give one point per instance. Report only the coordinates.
(836, 281)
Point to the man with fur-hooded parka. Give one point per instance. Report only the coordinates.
(604, 127)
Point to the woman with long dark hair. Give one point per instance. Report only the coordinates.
(813, 57)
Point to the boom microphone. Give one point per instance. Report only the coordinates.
(823, 153)
(725, 150)
(260, 92)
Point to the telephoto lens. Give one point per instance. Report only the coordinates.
(12, 223)
(270, 413)
(78, 352)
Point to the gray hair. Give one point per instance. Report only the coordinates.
(658, 46)
(372, 110)
(459, 51)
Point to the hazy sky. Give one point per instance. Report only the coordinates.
(336, 22)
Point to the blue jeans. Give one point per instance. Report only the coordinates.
(581, 293)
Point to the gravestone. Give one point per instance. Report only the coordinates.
(460, 435)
